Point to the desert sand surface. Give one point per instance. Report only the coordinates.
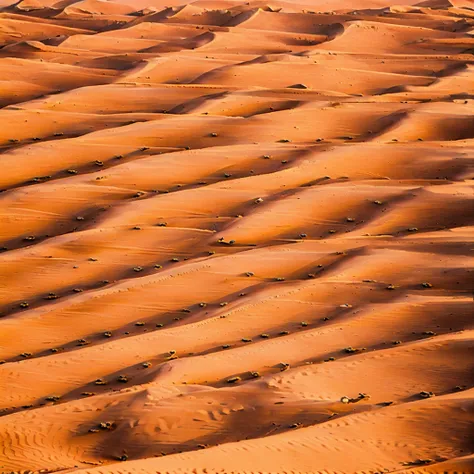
(236, 237)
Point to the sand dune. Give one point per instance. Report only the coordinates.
(236, 237)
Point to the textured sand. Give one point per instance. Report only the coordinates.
(221, 221)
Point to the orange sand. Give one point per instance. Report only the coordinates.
(236, 217)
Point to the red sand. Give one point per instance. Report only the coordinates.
(221, 221)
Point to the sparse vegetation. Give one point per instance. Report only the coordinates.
(418, 462)
(361, 396)
(51, 296)
(351, 350)
(233, 380)
(107, 425)
(424, 394)
(52, 398)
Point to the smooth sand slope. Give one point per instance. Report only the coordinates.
(236, 237)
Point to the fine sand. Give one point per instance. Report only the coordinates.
(236, 237)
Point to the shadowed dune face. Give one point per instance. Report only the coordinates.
(236, 237)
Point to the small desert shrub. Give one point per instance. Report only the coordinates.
(233, 379)
(106, 425)
(53, 398)
(424, 394)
